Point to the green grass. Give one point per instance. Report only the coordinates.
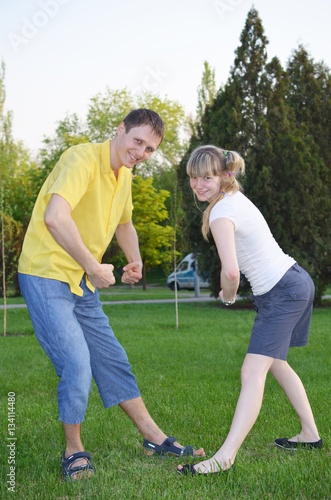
(190, 381)
(124, 292)
(155, 292)
(13, 300)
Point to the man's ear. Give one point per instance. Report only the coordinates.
(120, 129)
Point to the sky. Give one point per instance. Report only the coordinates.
(58, 54)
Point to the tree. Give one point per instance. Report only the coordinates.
(105, 113)
(206, 90)
(254, 114)
(10, 169)
(206, 96)
(149, 218)
(12, 240)
(309, 97)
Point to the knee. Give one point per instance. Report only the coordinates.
(278, 367)
(246, 374)
(252, 374)
(75, 383)
(79, 374)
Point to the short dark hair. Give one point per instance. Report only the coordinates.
(142, 116)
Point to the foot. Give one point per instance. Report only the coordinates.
(197, 453)
(82, 465)
(304, 438)
(288, 444)
(149, 452)
(211, 466)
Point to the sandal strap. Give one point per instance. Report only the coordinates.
(75, 456)
(187, 469)
(67, 463)
(168, 447)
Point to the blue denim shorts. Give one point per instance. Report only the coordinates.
(283, 315)
(76, 335)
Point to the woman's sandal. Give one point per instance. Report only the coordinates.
(293, 445)
(69, 471)
(168, 448)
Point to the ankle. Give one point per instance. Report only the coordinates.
(307, 437)
(71, 450)
(223, 461)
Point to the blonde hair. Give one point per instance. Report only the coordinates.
(210, 160)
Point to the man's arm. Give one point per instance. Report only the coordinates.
(127, 239)
(65, 232)
(223, 233)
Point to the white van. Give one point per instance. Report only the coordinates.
(185, 274)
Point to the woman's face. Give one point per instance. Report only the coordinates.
(206, 188)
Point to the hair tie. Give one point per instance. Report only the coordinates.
(223, 192)
(231, 173)
(225, 152)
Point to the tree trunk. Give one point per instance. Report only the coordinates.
(3, 271)
(144, 277)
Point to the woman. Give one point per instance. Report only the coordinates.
(283, 296)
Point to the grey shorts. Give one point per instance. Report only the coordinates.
(283, 315)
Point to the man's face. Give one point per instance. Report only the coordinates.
(135, 146)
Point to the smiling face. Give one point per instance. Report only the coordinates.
(133, 147)
(206, 188)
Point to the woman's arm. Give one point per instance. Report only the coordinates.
(223, 234)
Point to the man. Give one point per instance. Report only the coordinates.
(85, 200)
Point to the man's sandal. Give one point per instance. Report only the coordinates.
(168, 448)
(69, 471)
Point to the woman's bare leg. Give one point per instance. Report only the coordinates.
(253, 376)
(295, 391)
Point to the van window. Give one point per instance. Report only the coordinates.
(183, 266)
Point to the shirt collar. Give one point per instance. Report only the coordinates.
(105, 157)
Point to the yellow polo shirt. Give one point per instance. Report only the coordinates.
(99, 202)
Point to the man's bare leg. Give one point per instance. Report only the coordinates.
(74, 445)
(137, 411)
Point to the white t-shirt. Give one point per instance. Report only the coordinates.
(259, 256)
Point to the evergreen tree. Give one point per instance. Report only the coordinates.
(232, 122)
(309, 97)
(206, 96)
(286, 176)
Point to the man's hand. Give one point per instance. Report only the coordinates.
(132, 273)
(102, 276)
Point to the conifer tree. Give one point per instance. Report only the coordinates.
(259, 114)
(309, 98)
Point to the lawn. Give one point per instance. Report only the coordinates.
(190, 381)
(124, 292)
